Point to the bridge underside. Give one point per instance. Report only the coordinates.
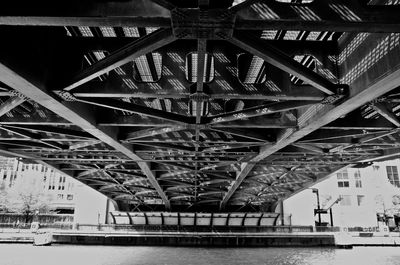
(107, 92)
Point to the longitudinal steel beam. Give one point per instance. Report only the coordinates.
(355, 121)
(316, 119)
(134, 108)
(112, 90)
(386, 113)
(384, 26)
(134, 13)
(167, 146)
(258, 111)
(83, 144)
(32, 136)
(138, 121)
(122, 56)
(10, 104)
(123, 21)
(10, 76)
(322, 135)
(144, 13)
(329, 15)
(290, 47)
(280, 60)
(151, 132)
(244, 133)
(309, 147)
(52, 129)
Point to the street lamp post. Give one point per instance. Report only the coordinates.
(318, 206)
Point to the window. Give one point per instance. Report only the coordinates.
(343, 179)
(343, 184)
(52, 182)
(70, 186)
(393, 175)
(70, 197)
(345, 201)
(61, 183)
(360, 200)
(357, 179)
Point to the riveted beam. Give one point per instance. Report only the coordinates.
(138, 109)
(151, 132)
(10, 104)
(52, 129)
(315, 120)
(280, 60)
(343, 16)
(385, 112)
(257, 111)
(122, 56)
(10, 76)
(134, 13)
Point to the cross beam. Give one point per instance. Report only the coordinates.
(10, 104)
(128, 53)
(329, 15)
(134, 13)
(138, 109)
(314, 119)
(280, 60)
(144, 13)
(30, 89)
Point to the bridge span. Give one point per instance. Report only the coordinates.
(290, 91)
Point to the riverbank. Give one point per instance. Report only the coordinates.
(16, 237)
(205, 239)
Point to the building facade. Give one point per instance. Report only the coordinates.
(64, 194)
(357, 197)
(58, 188)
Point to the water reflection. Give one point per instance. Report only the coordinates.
(110, 255)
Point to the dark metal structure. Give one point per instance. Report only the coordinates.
(200, 105)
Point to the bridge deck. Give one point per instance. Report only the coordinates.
(108, 93)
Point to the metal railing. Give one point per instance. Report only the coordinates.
(211, 229)
(26, 227)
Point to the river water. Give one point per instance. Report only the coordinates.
(16, 254)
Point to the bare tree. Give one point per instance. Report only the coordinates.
(27, 198)
(3, 197)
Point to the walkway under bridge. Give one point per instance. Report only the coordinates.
(290, 91)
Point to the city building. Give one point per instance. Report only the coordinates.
(58, 188)
(357, 197)
(65, 194)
